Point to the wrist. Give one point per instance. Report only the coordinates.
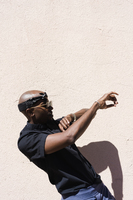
(97, 105)
(73, 117)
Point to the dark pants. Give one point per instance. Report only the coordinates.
(93, 192)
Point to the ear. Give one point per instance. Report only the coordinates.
(30, 112)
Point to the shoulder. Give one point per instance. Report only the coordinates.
(31, 141)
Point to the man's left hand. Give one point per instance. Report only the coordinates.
(65, 122)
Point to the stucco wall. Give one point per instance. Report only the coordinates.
(76, 50)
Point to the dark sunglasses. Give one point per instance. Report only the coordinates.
(45, 105)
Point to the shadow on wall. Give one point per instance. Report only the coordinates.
(104, 154)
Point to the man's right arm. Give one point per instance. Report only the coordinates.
(57, 141)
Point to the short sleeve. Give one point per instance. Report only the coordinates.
(32, 145)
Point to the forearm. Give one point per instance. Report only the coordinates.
(85, 116)
(77, 114)
(78, 128)
(80, 113)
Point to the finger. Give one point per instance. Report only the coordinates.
(66, 121)
(110, 105)
(61, 128)
(108, 96)
(112, 98)
(63, 124)
(113, 93)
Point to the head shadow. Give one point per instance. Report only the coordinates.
(104, 154)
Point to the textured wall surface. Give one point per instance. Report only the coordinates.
(76, 51)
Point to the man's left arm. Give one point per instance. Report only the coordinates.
(67, 120)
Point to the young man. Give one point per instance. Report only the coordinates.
(50, 144)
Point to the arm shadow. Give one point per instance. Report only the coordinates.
(104, 154)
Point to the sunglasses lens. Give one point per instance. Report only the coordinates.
(49, 104)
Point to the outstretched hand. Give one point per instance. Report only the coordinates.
(108, 97)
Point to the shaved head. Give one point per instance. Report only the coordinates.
(34, 104)
(29, 95)
(27, 99)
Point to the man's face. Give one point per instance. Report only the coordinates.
(42, 111)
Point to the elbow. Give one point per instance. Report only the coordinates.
(71, 138)
(73, 133)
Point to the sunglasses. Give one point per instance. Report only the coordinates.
(45, 105)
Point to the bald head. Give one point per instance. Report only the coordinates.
(29, 105)
(29, 95)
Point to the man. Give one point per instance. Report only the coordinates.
(50, 144)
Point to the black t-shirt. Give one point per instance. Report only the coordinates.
(67, 168)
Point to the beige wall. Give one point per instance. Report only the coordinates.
(76, 50)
